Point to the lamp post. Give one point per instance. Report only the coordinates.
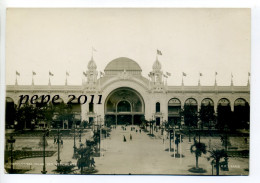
(58, 160)
(170, 134)
(226, 148)
(99, 123)
(80, 131)
(74, 146)
(44, 139)
(11, 141)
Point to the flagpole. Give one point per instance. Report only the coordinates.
(66, 83)
(16, 78)
(182, 79)
(32, 78)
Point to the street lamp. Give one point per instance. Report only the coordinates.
(99, 122)
(58, 160)
(80, 131)
(45, 133)
(74, 146)
(11, 141)
(226, 145)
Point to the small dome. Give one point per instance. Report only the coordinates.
(121, 64)
(92, 65)
(157, 65)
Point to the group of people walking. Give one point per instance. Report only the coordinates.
(56, 141)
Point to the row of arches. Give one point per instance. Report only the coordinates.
(191, 112)
(175, 103)
(75, 108)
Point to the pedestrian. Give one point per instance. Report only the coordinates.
(124, 139)
(130, 137)
(92, 162)
(140, 130)
(54, 140)
(246, 140)
(61, 142)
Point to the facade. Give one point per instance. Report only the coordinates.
(123, 95)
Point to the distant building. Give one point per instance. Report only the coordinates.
(129, 97)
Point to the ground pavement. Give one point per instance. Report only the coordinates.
(141, 155)
(146, 155)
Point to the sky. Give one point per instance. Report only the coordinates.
(191, 40)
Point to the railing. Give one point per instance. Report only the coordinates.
(240, 154)
(29, 154)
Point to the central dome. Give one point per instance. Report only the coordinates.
(121, 64)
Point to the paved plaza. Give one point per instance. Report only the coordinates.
(141, 155)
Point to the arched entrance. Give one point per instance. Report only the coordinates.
(124, 106)
(174, 110)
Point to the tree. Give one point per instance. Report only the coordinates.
(64, 112)
(24, 116)
(198, 148)
(206, 115)
(190, 115)
(217, 155)
(224, 117)
(46, 113)
(85, 155)
(242, 116)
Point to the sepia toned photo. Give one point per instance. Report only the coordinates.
(132, 91)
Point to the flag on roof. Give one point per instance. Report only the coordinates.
(159, 52)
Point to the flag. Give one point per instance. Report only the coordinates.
(231, 75)
(168, 74)
(184, 74)
(165, 76)
(67, 74)
(93, 49)
(200, 74)
(33, 73)
(50, 74)
(17, 73)
(85, 74)
(159, 52)
(216, 73)
(249, 74)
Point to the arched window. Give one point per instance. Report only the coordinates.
(158, 107)
(123, 106)
(240, 102)
(191, 102)
(223, 102)
(207, 102)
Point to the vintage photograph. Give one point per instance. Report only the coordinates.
(127, 91)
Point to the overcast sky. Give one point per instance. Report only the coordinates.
(191, 41)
